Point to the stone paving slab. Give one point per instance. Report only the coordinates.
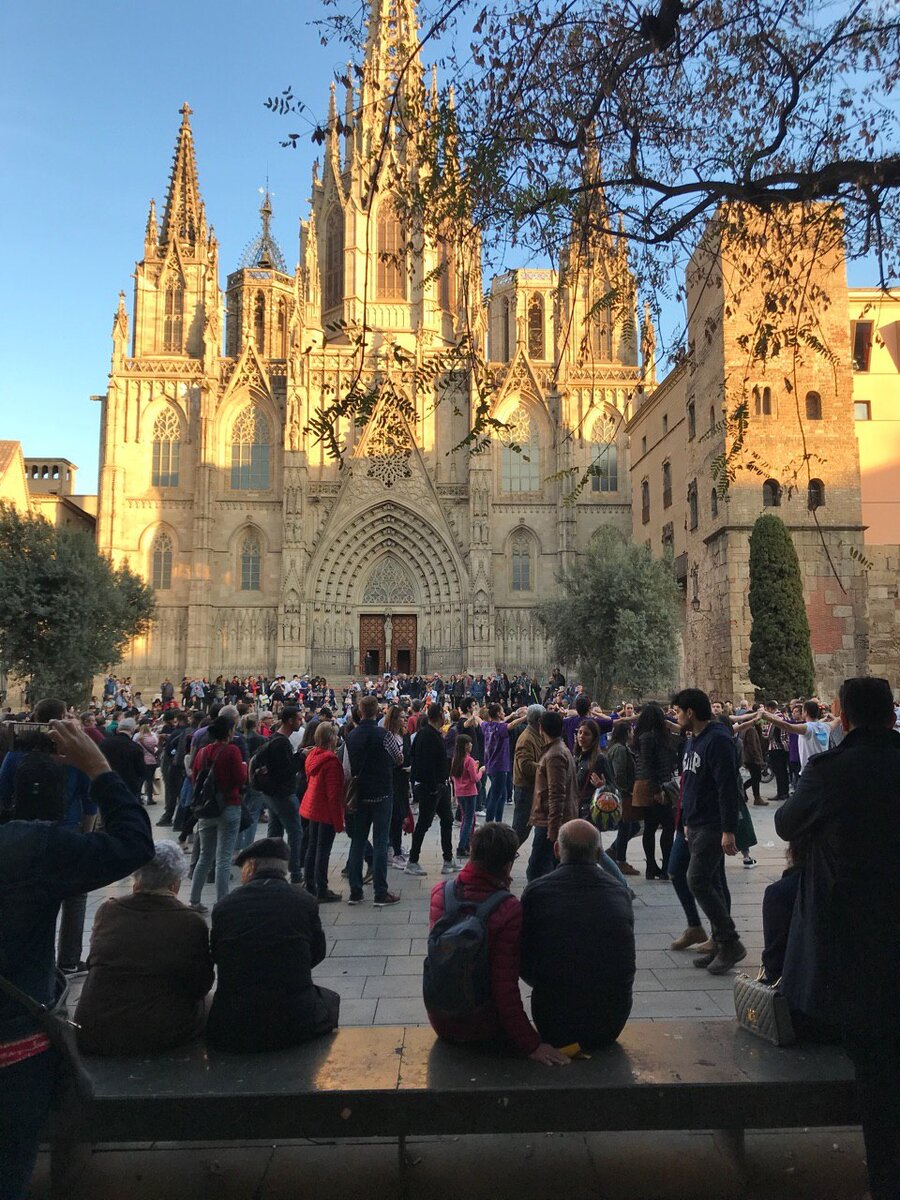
(375, 954)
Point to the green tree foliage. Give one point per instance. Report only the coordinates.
(781, 664)
(615, 618)
(66, 612)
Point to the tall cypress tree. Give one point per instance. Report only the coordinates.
(781, 663)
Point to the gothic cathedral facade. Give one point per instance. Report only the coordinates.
(412, 551)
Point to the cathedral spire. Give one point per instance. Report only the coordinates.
(184, 219)
(151, 234)
(392, 62)
(264, 251)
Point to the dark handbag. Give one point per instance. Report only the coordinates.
(762, 1010)
(671, 789)
(54, 1021)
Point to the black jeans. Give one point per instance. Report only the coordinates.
(754, 780)
(661, 817)
(523, 798)
(149, 776)
(704, 878)
(319, 840)
(624, 834)
(431, 804)
(71, 930)
(778, 761)
(542, 860)
(876, 1061)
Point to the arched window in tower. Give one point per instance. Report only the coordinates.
(391, 274)
(251, 556)
(259, 322)
(250, 451)
(815, 494)
(813, 406)
(762, 401)
(166, 449)
(714, 503)
(161, 563)
(282, 347)
(604, 467)
(447, 278)
(520, 553)
(520, 465)
(536, 328)
(771, 494)
(333, 281)
(506, 316)
(173, 317)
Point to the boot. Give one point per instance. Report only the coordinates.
(692, 936)
(729, 956)
(704, 960)
(760, 804)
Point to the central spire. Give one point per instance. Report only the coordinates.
(184, 219)
(392, 63)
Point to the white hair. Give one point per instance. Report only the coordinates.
(166, 868)
(534, 714)
(230, 713)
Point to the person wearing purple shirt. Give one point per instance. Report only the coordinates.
(496, 761)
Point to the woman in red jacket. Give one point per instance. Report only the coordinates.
(323, 807)
(218, 835)
(503, 1021)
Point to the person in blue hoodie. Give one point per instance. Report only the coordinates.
(710, 803)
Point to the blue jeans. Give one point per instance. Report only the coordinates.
(26, 1093)
(374, 815)
(677, 870)
(217, 839)
(255, 802)
(498, 796)
(610, 866)
(284, 818)
(467, 804)
(542, 860)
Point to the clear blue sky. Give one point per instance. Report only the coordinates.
(89, 99)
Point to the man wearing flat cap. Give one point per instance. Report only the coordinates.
(266, 937)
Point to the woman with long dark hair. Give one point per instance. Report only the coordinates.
(592, 769)
(654, 769)
(466, 775)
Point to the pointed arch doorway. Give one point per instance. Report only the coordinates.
(387, 642)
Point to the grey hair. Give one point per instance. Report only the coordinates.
(534, 714)
(581, 849)
(230, 713)
(166, 868)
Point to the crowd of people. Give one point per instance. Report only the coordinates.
(548, 778)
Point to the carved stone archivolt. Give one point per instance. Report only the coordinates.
(389, 584)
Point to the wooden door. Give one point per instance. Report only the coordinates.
(371, 644)
(403, 644)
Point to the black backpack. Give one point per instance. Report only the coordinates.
(456, 980)
(208, 801)
(39, 776)
(264, 779)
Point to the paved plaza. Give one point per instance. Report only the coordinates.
(375, 954)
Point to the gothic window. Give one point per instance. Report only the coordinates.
(604, 468)
(815, 494)
(536, 328)
(282, 346)
(391, 278)
(771, 494)
(693, 513)
(161, 563)
(645, 502)
(813, 406)
(667, 484)
(333, 285)
(762, 401)
(166, 449)
(714, 503)
(447, 278)
(506, 317)
(259, 322)
(250, 450)
(250, 560)
(521, 563)
(520, 455)
(173, 317)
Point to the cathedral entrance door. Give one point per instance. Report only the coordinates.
(403, 644)
(371, 644)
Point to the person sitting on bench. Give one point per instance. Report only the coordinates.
(578, 945)
(266, 937)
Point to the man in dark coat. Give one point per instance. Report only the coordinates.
(842, 964)
(578, 945)
(125, 756)
(266, 937)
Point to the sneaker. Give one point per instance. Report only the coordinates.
(413, 868)
(200, 908)
(627, 868)
(729, 956)
(749, 862)
(329, 897)
(705, 947)
(450, 868)
(692, 936)
(74, 968)
(163, 821)
(399, 861)
(356, 899)
(387, 898)
(704, 960)
(760, 804)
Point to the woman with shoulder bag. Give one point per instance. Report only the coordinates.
(622, 765)
(652, 798)
(218, 834)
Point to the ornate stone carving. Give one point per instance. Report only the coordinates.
(389, 584)
(389, 449)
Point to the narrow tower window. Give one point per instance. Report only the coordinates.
(173, 320)
(161, 563)
(333, 283)
(391, 275)
(250, 451)
(536, 328)
(166, 449)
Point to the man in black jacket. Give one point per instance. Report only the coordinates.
(41, 863)
(125, 756)
(710, 802)
(842, 964)
(430, 771)
(578, 945)
(373, 753)
(266, 937)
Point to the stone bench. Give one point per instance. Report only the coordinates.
(394, 1082)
